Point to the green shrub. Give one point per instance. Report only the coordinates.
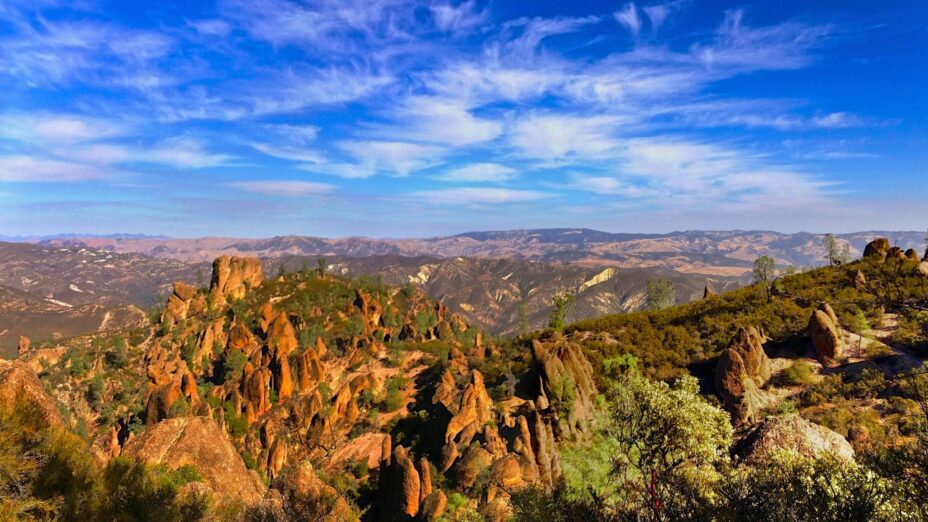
(800, 372)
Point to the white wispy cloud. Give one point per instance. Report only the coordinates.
(480, 172)
(561, 136)
(392, 157)
(290, 188)
(22, 168)
(479, 196)
(628, 16)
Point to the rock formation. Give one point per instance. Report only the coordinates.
(403, 486)
(740, 373)
(232, 277)
(198, 442)
(566, 379)
(792, 432)
(877, 249)
(825, 333)
(708, 292)
(23, 346)
(19, 385)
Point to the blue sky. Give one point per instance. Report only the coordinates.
(407, 118)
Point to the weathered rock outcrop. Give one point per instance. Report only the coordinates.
(183, 302)
(403, 487)
(792, 432)
(23, 346)
(299, 494)
(825, 333)
(198, 442)
(566, 381)
(740, 373)
(877, 249)
(476, 406)
(19, 386)
(232, 277)
(708, 292)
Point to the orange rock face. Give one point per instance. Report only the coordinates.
(232, 277)
(281, 338)
(476, 406)
(20, 385)
(198, 442)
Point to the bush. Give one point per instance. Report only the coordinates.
(800, 372)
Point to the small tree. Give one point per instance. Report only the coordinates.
(323, 265)
(671, 444)
(765, 273)
(563, 304)
(660, 294)
(836, 252)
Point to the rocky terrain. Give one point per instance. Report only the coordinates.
(508, 297)
(86, 289)
(308, 395)
(50, 293)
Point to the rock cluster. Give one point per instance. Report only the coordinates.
(825, 332)
(740, 373)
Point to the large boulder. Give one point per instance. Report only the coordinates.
(19, 386)
(740, 373)
(877, 249)
(825, 333)
(198, 442)
(792, 432)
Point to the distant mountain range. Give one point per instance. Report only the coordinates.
(705, 252)
(503, 281)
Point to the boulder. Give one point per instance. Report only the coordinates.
(434, 506)
(824, 331)
(911, 255)
(160, 399)
(471, 464)
(877, 249)
(792, 432)
(198, 442)
(708, 292)
(740, 373)
(19, 386)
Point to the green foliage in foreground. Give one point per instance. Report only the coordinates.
(48, 473)
(663, 455)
